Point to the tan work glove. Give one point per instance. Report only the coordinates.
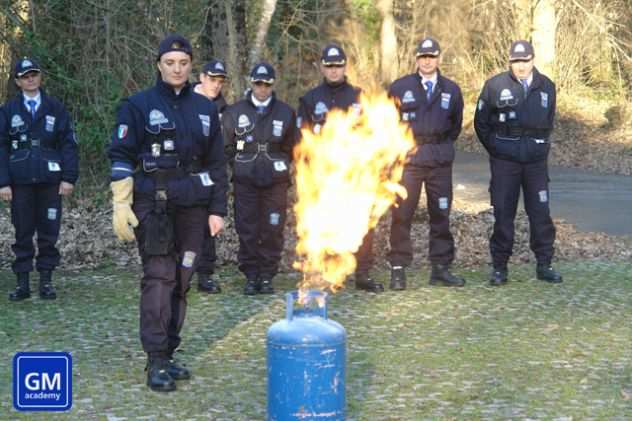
(122, 215)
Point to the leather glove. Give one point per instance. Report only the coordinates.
(122, 215)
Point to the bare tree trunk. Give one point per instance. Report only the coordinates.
(225, 38)
(389, 65)
(269, 6)
(543, 35)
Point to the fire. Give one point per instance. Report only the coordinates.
(347, 177)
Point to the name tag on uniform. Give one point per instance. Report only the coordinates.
(206, 124)
(445, 100)
(512, 115)
(206, 179)
(50, 123)
(240, 145)
(502, 117)
(280, 166)
(277, 127)
(53, 166)
(544, 99)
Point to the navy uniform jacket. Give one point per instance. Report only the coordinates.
(220, 103)
(159, 130)
(260, 145)
(40, 150)
(436, 124)
(314, 105)
(511, 125)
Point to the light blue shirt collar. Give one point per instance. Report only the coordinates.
(37, 98)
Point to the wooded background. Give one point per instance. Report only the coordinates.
(93, 53)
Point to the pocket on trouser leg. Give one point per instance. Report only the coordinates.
(158, 235)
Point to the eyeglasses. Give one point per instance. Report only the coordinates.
(262, 83)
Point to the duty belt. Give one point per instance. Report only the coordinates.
(425, 139)
(254, 147)
(520, 132)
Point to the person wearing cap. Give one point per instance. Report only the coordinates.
(212, 80)
(432, 106)
(260, 134)
(39, 163)
(168, 179)
(514, 120)
(335, 92)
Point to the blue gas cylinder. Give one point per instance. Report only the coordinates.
(306, 363)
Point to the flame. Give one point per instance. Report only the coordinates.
(347, 177)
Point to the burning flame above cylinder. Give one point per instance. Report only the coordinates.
(347, 177)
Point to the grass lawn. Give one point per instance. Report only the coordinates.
(528, 350)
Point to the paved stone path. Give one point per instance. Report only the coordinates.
(593, 202)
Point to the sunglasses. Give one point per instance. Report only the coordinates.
(262, 83)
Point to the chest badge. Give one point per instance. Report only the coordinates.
(16, 121)
(243, 121)
(408, 97)
(506, 95)
(320, 108)
(157, 117)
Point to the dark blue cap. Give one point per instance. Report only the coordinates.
(428, 47)
(521, 50)
(333, 55)
(175, 42)
(26, 65)
(262, 72)
(215, 68)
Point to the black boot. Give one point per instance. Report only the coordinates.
(176, 370)
(498, 276)
(398, 278)
(364, 282)
(22, 289)
(207, 284)
(548, 274)
(46, 290)
(440, 275)
(265, 286)
(158, 378)
(251, 287)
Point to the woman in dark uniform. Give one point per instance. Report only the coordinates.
(168, 178)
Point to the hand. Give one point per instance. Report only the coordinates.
(122, 217)
(6, 193)
(215, 224)
(65, 188)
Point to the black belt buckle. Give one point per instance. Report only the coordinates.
(161, 195)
